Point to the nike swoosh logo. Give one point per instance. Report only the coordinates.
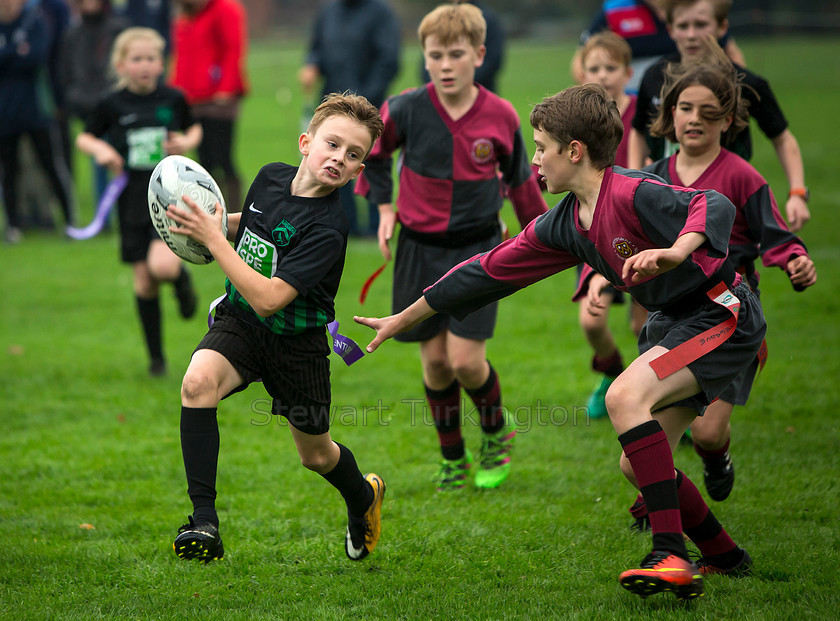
(127, 118)
(353, 552)
(251, 207)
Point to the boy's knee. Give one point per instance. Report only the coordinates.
(197, 386)
(708, 435)
(317, 461)
(437, 368)
(470, 372)
(617, 398)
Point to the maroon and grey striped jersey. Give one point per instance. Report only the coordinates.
(452, 173)
(759, 228)
(635, 211)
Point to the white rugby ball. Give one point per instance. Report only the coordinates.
(176, 176)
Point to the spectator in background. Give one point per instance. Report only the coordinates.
(57, 12)
(85, 59)
(209, 48)
(35, 195)
(26, 36)
(642, 24)
(494, 58)
(355, 46)
(154, 14)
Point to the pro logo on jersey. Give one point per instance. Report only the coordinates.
(623, 248)
(482, 150)
(283, 232)
(258, 253)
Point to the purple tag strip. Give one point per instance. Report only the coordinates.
(213, 305)
(106, 203)
(345, 347)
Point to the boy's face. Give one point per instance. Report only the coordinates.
(603, 69)
(696, 133)
(690, 26)
(552, 159)
(142, 66)
(452, 67)
(335, 152)
(90, 7)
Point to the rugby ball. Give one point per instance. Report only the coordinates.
(176, 176)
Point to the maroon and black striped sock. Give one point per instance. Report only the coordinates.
(446, 412)
(488, 402)
(711, 453)
(699, 523)
(611, 366)
(646, 447)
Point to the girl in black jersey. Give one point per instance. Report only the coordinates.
(131, 130)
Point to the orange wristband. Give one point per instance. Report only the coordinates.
(803, 192)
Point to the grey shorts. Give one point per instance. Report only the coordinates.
(419, 265)
(731, 364)
(295, 370)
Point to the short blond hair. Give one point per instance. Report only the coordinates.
(352, 106)
(450, 22)
(615, 45)
(119, 50)
(585, 113)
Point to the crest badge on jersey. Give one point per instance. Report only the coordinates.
(623, 248)
(283, 232)
(482, 150)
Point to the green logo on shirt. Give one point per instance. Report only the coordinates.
(164, 115)
(258, 253)
(283, 233)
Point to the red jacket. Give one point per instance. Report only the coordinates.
(209, 51)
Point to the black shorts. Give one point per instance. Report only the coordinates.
(419, 265)
(136, 228)
(295, 370)
(727, 364)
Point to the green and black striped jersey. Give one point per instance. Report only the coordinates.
(301, 240)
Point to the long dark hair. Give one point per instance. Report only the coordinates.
(716, 72)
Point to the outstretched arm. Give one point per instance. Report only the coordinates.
(386, 327)
(661, 260)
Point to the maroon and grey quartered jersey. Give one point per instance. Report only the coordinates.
(635, 211)
(449, 170)
(759, 228)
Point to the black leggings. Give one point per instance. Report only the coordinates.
(49, 156)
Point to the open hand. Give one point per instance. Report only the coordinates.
(195, 222)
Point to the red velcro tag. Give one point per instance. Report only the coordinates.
(685, 353)
(366, 287)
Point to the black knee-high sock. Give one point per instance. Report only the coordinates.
(488, 402)
(149, 311)
(183, 281)
(348, 480)
(200, 448)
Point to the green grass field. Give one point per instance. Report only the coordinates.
(88, 439)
